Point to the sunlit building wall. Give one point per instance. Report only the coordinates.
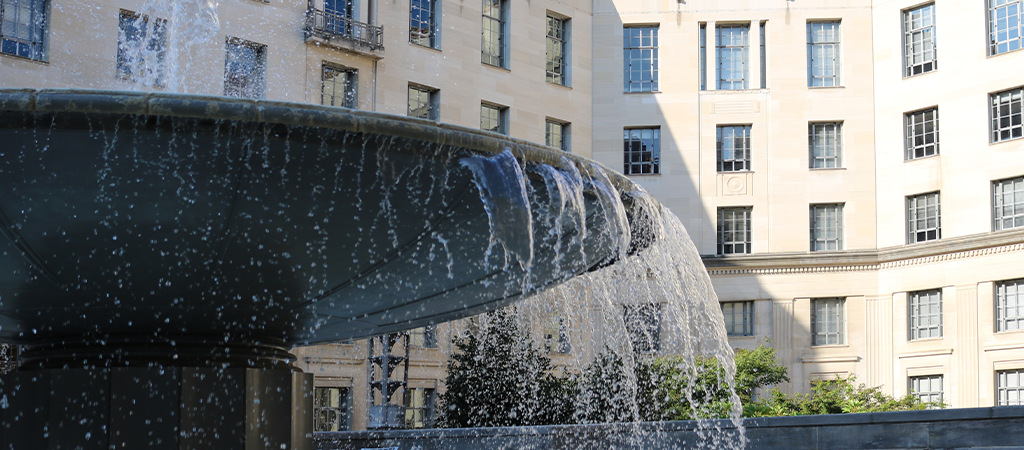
(800, 143)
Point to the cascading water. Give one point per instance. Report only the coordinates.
(192, 234)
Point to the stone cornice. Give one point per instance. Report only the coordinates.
(867, 260)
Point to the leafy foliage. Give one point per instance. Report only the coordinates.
(500, 377)
(835, 396)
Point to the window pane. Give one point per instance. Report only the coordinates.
(642, 145)
(640, 54)
(823, 54)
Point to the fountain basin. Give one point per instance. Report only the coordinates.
(152, 218)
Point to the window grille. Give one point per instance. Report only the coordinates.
(339, 87)
(492, 50)
(641, 151)
(332, 407)
(423, 337)
(733, 148)
(928, 388)
(640, 59)
(422, 22)
(702, 58)
(922, 133)
(557, 40)
(826, 145)
(764, 56)
(245, 69)
(734, 230)
(492, 118)
(1010, 387)
(23, 28)
(919, 40)
(826, 227)
(828, 321)
(823, 54)
(556, 134)
(1010, 305)
(923, 218)
(925, 314)
(731, 47)
(423, 102)
(1004, 25)
(1008, 203)
(419, 407)
(1006, 115)
(739, 318)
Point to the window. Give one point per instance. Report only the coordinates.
(331, 407)
(764, 57)
(826, 145)
(641, 151)
(423, 23)
(423, 102)
(1010, 387)
(1004, 26)
(640, 59)
(919, 40)
(739, 318)
(23, 28)
(339, 87)
(922, 133)
(141, 48)
(492, 50)
(823, 54)
(424, 337)
(1010, 305)
(702, 58)
(734, 230)
(927, 388)
(1008, 203)
(826, 227)
(731, 42)
(556, 334)
(828, 321)
(419, 408)
(556, 134)
(493, 118)
(643, 324)
(245, 69)
(733, 148)
(1006, 115)
(925, 314)
(557, 42)
(923, 218)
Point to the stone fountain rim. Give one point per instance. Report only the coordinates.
(97, 101)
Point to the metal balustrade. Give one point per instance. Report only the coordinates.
(328, 25)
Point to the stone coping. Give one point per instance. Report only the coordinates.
(873, 259)
(750, 424)
(297, 114)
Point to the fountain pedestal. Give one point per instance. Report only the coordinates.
(150, 405)
(158, 408)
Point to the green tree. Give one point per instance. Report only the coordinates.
(498, 377)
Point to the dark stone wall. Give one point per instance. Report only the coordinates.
(999, 428)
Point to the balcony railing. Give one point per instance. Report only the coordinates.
(331, 27)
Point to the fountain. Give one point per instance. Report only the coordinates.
(162, 252)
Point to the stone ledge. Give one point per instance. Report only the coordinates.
(867, 260)
(966, 428)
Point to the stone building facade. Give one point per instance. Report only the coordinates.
(799, 142)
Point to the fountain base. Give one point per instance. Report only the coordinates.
(157, 407)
